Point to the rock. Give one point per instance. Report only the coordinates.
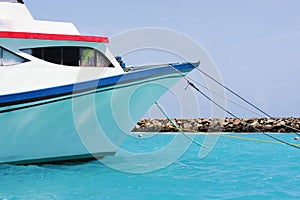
(137, 127)
(248, 120)
(205, 121)
(179, 122)
(236, 122)
(254, 123)
(282, 130)
(227, 124)
(282, 123)
(268, 127)
(230, 125)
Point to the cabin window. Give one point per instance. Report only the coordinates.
(13, 1)
(8, 58)
(88, 57)
(71, 56)
(53, 55)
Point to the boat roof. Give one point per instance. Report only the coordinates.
(46, 36)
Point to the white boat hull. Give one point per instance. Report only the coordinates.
(84, 124)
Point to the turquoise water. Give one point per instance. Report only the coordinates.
(235, 169)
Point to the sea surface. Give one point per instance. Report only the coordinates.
(235, 169)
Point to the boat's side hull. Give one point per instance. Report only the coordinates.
(74, 126)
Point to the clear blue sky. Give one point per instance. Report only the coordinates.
(255, 43)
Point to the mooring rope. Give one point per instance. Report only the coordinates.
(227, 111)
(236, 137)
(231, 101)
(245, 100)
(177, 127)
(184, 131)
(226, 99)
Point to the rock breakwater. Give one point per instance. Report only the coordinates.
(244, 125)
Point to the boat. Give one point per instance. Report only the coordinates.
(64, 96)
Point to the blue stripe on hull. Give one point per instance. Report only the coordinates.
(25, 97)
(66, 97)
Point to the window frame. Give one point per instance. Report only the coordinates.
(80, 49)
(2, 62)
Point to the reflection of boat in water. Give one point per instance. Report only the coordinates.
(64, 96)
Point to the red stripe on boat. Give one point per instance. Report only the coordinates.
(46, 36)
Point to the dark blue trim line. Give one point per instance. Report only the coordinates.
(34, 104)
(43, 94)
